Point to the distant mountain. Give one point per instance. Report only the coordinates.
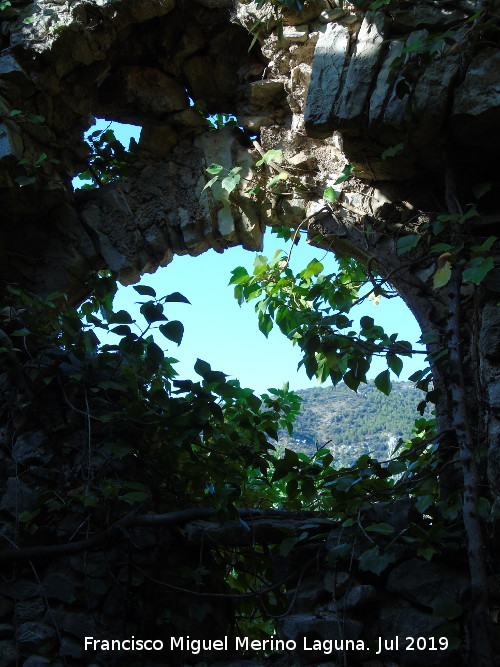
(351, 424)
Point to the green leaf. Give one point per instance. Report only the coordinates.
(346, 173)
(427, 552)
(272, 181)
(382, 528)
(133, 497)
(230, 182)
(144, 290)
(121, 330)
(173, 330)
(392, 151)
(314, 268)
(395, 363)
(26, 517)
(480, 189)
(25, 180)
(214, 168)
(239, 276)
(484, 247)
(373, 560)
(407, 243)
(442, 276)
(441, 247)
(265, 323)
(202, 367)
(351, 381)
(271, 156)
(477, 269)
(121, 317)
(209, 183)
(176, 297)
(40, 159)
(447, 608)
(330, 195)
(154, 354)
(383, 382)
(119, 450)
(29, 19)
(153, 312)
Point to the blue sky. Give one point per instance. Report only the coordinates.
(225, 335)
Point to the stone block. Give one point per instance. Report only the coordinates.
(36, 661)
(18, 497)
(361, 72)
(328, 15)
(29, 610)
(329, 58)
(12, 73)
(33, 636)
(11, 144)
(30, 448)
(296, 33)
(358, 596)
(426, 582)
(263, 93)
(476, 110)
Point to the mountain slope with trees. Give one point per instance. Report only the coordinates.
(351, 424)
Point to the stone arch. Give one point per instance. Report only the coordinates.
(76, 59)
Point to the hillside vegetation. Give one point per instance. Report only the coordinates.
(351, 424)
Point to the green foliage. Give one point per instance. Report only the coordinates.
(210, 443)
(311, 309)
(229, 178)
(108, 159)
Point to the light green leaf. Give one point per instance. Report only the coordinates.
(272, 181)
(271, 156)
(442, 276)
(230, 182)
(209, 183)
(214, 168)
(330, 195)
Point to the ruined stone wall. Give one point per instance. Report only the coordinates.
(326, 92)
